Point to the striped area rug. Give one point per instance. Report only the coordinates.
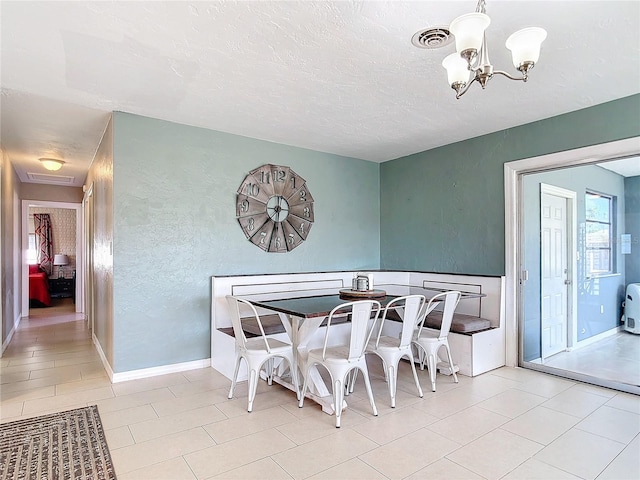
(64, 445)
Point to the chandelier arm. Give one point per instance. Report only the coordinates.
(508, 75)
(464, 90)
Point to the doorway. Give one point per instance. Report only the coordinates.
(596, 317)
(69, 277)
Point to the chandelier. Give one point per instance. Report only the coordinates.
(471, 62)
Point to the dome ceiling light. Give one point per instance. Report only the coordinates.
(52, 164)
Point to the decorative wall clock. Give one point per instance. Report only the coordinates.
(274, 208)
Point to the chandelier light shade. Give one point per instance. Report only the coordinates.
(525, 45)
(457, 71)
(52, 164)
(469, 31)
(471, 62)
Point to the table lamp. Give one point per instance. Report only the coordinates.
(59, 261)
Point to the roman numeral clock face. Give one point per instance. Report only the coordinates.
(274, 208)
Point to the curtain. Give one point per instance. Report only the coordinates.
(42, 223)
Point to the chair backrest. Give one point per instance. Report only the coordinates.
(362, 325)
(236, 321)
(451, 300)
(413, 306)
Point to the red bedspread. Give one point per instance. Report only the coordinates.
(39, 288)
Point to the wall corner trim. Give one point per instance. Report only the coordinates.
(5, 344)
(103, 357)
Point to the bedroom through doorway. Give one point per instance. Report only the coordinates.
(52, 239)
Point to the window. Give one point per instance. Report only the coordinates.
(32, 252)
(599, 233)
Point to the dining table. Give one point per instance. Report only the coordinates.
(302, 316)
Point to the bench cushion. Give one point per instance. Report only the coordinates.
(461, 323)
(271, 325)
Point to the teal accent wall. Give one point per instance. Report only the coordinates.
(592, 292)
(442, 210)
(174, 220)
(632, 214)
(174, 189)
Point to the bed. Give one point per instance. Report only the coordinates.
(39, 295)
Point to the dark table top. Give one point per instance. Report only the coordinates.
(311, 306)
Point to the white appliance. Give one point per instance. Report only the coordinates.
(632, 308)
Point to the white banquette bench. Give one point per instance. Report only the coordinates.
(474, 353)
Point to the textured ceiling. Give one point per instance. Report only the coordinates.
(339, 77)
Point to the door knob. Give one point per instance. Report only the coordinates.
(567, 282)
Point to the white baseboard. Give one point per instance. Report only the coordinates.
(16, 323)
(103, 357)
(147, 372)
(595, 338)
(161, 370)
(584, 343)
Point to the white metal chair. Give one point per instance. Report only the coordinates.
(429, 341)
(342, 359)
(257, 351)
(392, 349)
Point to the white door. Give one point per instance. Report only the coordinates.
(554, 274)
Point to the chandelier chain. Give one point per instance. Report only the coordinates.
(482, 6)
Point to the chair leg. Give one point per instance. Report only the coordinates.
(432, 370)
(253, 386)
(415, 375)
(455, 377)
(421, 357)
(235, 377)
(367, 384)
(338, 399)
(269, 371)
(294, 378)
(353, 376)
(392, 377)
(304, 387)
(347, 384)
(385, 369)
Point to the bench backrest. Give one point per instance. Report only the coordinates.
(277, 286)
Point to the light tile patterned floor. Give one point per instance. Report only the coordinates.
(615, 358)
(509, 423)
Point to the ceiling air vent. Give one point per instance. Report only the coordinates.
(432, 37)
(43, 177)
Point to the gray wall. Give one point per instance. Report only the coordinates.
(100, 218)
(10, 259)
(607, 291)
(174, 190)
(632, 214)
(443, 210)
(50, 193)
